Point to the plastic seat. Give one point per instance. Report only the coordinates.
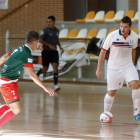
(111, 31)
(130, 14)
(63, 33)
(90, 15)
(99, 15)
(82, 33)
(73, 33)
(102, 33)
(135, 30)
(118, 16)
(92, 33)
(135, 19)
(109, 15)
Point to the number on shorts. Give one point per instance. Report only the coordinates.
(13, 92)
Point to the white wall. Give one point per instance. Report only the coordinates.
(122, 5)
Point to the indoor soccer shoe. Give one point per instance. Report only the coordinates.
(137, 117)
(56, 88)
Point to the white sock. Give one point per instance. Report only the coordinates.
(108, 101)
(136, 100)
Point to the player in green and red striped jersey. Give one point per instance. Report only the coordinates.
(15, 62)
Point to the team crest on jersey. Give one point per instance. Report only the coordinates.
(30, 60)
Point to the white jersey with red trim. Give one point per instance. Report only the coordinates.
(120, 48)
(18, 59)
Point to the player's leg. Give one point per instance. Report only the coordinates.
(45, 63)
(10, 113)
(132, 78)
(55, 76)
(55, 64)
(3, 108)
(109, 99)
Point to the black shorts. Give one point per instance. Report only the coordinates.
(49, 57)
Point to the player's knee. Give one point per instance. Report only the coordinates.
(16, 110)
(135, 85)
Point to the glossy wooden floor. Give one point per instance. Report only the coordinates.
(73, 113)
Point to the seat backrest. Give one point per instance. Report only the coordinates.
(82, 33)
(130, 14)
(135, 30)
(100, 15)
(119, 15)
(102, 33)
(73, 33)
(111, 31)
(63, 33)
(92, 33)
(136, 15)
(90, 15)
(109, 15)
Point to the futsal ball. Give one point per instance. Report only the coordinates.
(106, 117)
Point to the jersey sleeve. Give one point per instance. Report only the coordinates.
(107, 43)
(135, 44)
(43, 34)
(9, 53)
(27, 60)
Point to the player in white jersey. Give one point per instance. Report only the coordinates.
(122, 44)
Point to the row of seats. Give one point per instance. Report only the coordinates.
(110, 16)
(83, 33)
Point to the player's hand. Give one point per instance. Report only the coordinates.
(99, 73)
(49, 90)
(62, 50)
(52, 47)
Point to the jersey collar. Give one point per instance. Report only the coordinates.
(121, 33)
(28, 47)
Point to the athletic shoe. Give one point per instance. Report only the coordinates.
(39, 72)
(137, 117)
(56, 88)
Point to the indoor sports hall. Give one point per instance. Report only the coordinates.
(74, 112)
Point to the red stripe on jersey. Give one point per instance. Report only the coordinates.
(9, 53)
(104, 49)
(135, 48)
(5, 79)
(28, 65)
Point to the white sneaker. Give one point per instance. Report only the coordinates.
(56, 88)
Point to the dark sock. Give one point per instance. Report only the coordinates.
(55, 77)
(39, 72)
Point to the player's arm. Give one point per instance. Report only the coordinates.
(4, 58)
(58, 43)
(100, 62)
(35, 78)
(133, 55)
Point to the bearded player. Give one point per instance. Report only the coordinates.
(15, 62)
(122, 44)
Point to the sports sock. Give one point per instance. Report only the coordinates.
(136, 100)
(55, 77)
(3, 108)
(6, 117)
(108, 101)
(39, 72)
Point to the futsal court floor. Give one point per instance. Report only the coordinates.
(73, 113)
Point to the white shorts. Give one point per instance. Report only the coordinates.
(116, 77)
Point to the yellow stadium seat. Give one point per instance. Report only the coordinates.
(92, 33)
(135, 30)
(111, 31)
(130, 14)
(92, 55)
(90, 15)
(73, 33)
(109, 15)
(136, 20)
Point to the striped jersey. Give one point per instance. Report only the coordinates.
(120, 48)
(18, 59)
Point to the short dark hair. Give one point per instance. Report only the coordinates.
(126, 19)
(51, 17)
(31, 36)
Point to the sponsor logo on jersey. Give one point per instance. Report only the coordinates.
(30, 60)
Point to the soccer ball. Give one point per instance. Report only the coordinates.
(106, 117)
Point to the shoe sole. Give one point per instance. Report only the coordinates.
(57, 89)
(136, 120)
